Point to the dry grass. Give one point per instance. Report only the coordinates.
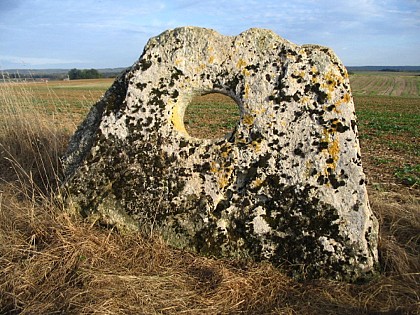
(51, 263)
(31, 140)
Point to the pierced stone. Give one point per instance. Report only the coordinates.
(287, 185)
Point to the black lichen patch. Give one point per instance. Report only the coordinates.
(293, 248)
(335, 182)
(232, 83)
(322, 145)
(253, 67)
(316, 220)
(145, 64)
(337, 126)
(141, 86)
(322, 96)
(331, 107)
(299, 152)
(176, 74)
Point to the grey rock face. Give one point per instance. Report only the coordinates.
(286, 186)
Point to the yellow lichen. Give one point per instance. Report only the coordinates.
(177, 120)
(223, 180)
(259, 110)
(211, 59)
(222, 174)
(346, 99)
(257, 182)
(331, 81)
(256, 145)
(224, 154)
(315, 72)
(241, 63)
(200, 67)
(305, 100)
(246, 90)
(227, 149)
(248, 119)
(214, 167)
(333, 149)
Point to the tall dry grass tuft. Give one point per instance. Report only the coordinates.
(53, 263)
(32, 139)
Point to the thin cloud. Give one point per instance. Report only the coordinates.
(34, 61)
(115, 32)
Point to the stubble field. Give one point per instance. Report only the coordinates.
(53, 263)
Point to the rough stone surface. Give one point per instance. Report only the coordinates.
(286, 185)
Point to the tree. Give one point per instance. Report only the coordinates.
(75, 74)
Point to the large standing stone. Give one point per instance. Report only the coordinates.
(286, 185)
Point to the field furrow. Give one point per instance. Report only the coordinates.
(370, 86)
(358, 84)
(386, 84)
(382, 86)
(399, 86)
(413, 86)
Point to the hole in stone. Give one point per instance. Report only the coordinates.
(211, 116)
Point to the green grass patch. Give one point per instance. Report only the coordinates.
(409, 174)
(407, 147)
(382, 122)
(211, 116)
(382, 161)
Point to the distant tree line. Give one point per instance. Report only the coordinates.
(31, 76)
(390, 70)
(58, 74)
(75, 74)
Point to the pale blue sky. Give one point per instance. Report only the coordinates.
(112, 33)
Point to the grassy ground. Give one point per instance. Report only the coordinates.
(52, 263)
(390, 138)
(211, 116)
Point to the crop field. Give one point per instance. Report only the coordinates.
(388, 109)
(60, 96)
(386, 84)
(51, 262)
